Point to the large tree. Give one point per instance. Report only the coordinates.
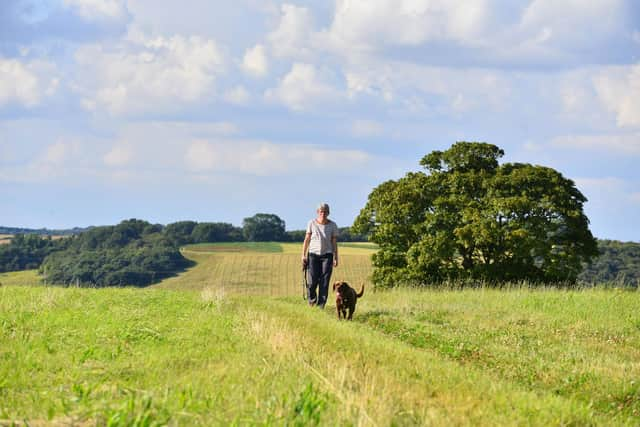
(469, 217)
(263, 227)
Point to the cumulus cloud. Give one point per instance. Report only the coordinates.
(367, 25)
(418, 88)
(255, 61)
(148, 75)
(62, 158)
(26, 83)
(265, 158)
(98, 9)
(482, 32)
(120, 155)
(303, 87)
(294, 33)
(619, 91)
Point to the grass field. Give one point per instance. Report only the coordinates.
(262, 269)
(191, 351)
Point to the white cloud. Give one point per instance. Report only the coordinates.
(619, 91)
(293, 36)
(62, 158)
(363, 24)
(149, 75)
(120, 155)
(265, 158)
(255, 61)
(450, 90)
(303, 87)
(624, 144)
(572, 22)
(26, 83)
(237, 95)
(366, 128)
(95, 9)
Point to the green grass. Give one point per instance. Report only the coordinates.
(21, 278)
(270, 269)
(203, 354)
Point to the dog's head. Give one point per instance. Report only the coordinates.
(341, 289)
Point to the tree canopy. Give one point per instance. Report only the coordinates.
(468, 217)
(133, 252)
(263, 227)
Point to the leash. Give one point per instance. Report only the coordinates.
(305, 283)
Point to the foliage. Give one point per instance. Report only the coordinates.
(470, 218)
(263, 227)
(618, 263)
(180, 232)
(26, 251)
(208, 232)
(133, 252)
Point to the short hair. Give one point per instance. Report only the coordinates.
(324, 207)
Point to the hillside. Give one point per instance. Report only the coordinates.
(198, 350)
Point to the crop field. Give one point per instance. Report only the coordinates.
(200, 349)
(263, 269)
(5, 238)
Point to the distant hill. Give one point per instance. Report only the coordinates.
(42, 231)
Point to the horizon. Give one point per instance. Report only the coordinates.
(214, 111)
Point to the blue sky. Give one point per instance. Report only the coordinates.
(215, 111)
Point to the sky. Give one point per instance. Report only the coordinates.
(217, 110)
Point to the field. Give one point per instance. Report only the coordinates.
(230, 342)
(272, 269)
(5, 238)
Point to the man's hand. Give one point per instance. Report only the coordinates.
(305, 262)
(335, 262)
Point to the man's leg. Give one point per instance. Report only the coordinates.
(325, 278)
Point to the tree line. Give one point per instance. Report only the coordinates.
(134, 252)
(618, 263)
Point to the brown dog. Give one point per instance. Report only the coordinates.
(346, 298)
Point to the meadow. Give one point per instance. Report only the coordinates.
(230, 342)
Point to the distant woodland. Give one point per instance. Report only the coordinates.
(134, 252)
(618, 263)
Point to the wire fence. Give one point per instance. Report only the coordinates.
(277, 274)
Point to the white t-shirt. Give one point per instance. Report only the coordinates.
(321, 235)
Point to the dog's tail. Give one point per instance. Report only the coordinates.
(361, 291)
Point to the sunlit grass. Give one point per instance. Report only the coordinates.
(222, 352)
(21, 278)
(262, 268)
